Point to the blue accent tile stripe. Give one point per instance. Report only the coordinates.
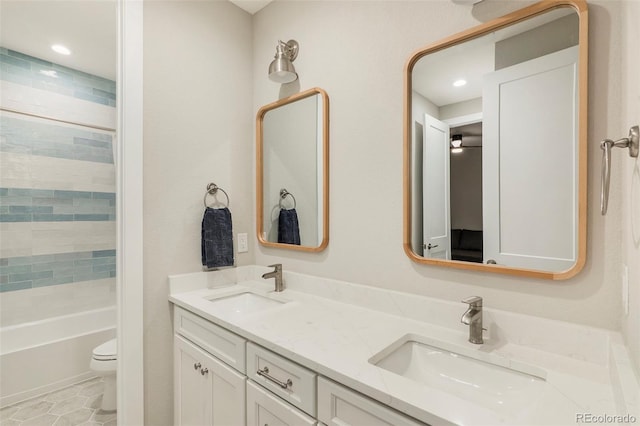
(20, 273)
(29, 71)
(51, 140)
(38, 205)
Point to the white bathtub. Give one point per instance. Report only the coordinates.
(40, 356)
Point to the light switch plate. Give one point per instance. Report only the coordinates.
(243, 245)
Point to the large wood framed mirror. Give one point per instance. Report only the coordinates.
(495, 145)
(293, 172)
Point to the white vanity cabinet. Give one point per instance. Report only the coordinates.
(207, 391)
(211, 388)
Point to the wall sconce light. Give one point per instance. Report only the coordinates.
(281, 69)
(456, 143)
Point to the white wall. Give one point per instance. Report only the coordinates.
(197, 129)
(630, 193)
(459, 109)
(365, 243)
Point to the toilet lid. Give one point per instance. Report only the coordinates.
(106, 351)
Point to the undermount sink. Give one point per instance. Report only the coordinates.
(493, 381)
(243, 303)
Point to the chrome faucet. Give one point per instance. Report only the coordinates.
(277, 274)
(473, 318)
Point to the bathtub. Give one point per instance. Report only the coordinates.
(41, 356)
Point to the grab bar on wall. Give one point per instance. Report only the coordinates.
(283, 195)
(631, 142)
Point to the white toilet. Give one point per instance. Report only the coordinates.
(104, 362)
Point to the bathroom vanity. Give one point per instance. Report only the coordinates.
(336, 353)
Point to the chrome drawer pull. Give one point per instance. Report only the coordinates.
(204, 371)
(197, 366)
(265, 373)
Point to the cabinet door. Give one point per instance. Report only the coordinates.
(206, 391)
(189, 385)
(263, 408)
(227, 392)
(340, 406)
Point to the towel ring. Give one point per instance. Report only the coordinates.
(283, 195)
(212, 188)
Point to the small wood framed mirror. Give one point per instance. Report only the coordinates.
(292, 172)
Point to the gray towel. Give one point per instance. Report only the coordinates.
(217, 238)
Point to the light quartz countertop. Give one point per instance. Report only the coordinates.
(329, 333)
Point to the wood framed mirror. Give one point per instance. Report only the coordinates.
(495, 145)
(292, 172)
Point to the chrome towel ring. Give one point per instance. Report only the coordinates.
(283, 195)
(631, 142)
(212, 189)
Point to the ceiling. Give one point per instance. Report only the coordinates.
(251, 6)
(87, 28)
(433, 75)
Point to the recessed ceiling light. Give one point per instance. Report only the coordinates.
(63, 50)
(459, 83)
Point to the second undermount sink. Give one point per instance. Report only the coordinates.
(243, 303)
(488, 380)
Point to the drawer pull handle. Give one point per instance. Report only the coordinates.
(197, 365)
(204, 371)
(265, 373)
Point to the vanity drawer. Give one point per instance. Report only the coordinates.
(219, 342)
(276, 371)
(263, 408)
(341, 406)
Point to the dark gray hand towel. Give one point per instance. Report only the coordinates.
(288, 229)
(217, 238)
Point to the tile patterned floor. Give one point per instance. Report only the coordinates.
(75, 405)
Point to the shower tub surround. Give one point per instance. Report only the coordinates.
(334, 328)
(40, 356)
(57, 223)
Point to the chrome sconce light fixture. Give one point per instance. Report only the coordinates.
(281, 69)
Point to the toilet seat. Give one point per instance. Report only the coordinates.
(107, 351)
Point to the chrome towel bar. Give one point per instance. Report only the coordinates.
(631, 142)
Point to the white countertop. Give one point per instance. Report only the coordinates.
(338, 339)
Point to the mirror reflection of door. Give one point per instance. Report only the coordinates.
(436, 189)
(529, 107)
